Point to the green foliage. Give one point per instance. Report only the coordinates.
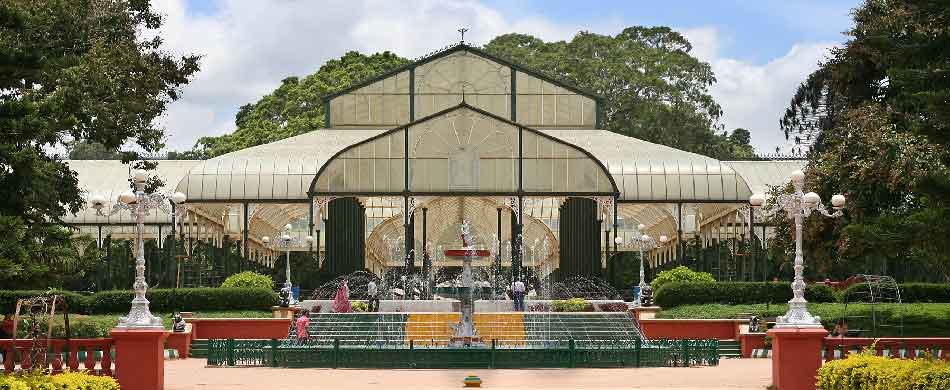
(679, 274)
(654, 89)
(248, 279)
(572, 305)
(75, 302)
(296, 107)
(66, 381)
(360, 307)
(919, 319)
(73, 71)
(867, 371)
(41, 256)
(878, 113)
(167, 300)
(693, 293)
(910, 292)
(187, 299)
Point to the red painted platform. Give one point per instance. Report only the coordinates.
(467, 252)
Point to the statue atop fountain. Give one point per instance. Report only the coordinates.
(465, 334)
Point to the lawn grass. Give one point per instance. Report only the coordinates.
(919, 319)
(99, 325)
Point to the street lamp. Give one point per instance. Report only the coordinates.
(139, 204)
(643, 243)
(285, 243)
(798, 206)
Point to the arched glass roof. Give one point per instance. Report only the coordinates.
(463, 150)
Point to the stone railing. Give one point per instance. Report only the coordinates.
(91, 355)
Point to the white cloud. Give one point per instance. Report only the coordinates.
(754, 96)
(249, 46)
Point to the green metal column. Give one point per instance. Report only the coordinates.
(345, 236)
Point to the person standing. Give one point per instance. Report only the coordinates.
(372, 293)
(517, 292)
(341, 303)
(303, 323)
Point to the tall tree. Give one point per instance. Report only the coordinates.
(878, 114)
(296, 107)
(73, 71)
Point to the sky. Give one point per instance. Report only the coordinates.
(760, 50)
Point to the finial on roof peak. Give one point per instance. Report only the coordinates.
(462, 31)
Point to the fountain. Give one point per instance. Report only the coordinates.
(465, 334)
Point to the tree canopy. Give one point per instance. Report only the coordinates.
(877, 113)
(655, 90)
(78, 71)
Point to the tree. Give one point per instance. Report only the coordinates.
(296, 107)
(654, 89)
(73, 72)
(878, 114)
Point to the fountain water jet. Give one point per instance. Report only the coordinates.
(465, 334)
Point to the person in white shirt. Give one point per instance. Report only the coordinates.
(517, 292)
(373, 295)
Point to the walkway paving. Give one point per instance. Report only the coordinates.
(730, 374)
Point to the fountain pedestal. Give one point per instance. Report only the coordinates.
(465, 334)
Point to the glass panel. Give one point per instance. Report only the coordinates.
(441, 82)
(545, 105)
(375, 166)
(463, 151)
(553, 166)
(384, 103)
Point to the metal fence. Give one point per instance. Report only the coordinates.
(557, 354)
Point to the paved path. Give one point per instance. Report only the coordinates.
(730, 374)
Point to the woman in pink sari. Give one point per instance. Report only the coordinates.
(302, 324)
(341, 303)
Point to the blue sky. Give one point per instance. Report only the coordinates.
(757, 30)
(760, 50)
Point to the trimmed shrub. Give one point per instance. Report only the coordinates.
(572, 305)
(67, 380)
(187, 299)
(248, 279)
(360, 307)
(866, 371)
(680, 274)
(910, 292)
(75, 302)
(734, 293)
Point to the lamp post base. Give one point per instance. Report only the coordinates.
(798, 316)
(140, 317)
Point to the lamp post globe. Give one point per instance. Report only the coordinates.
(837, 201)
(140, 175)
(179, 198)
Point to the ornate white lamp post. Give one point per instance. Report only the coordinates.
(643, 243)
(285, 243)
(139, 204)
(798, 206)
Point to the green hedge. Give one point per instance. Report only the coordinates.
(910, 292)
(78, 303)
(732, 293)
(160, 300)
(866, 371)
